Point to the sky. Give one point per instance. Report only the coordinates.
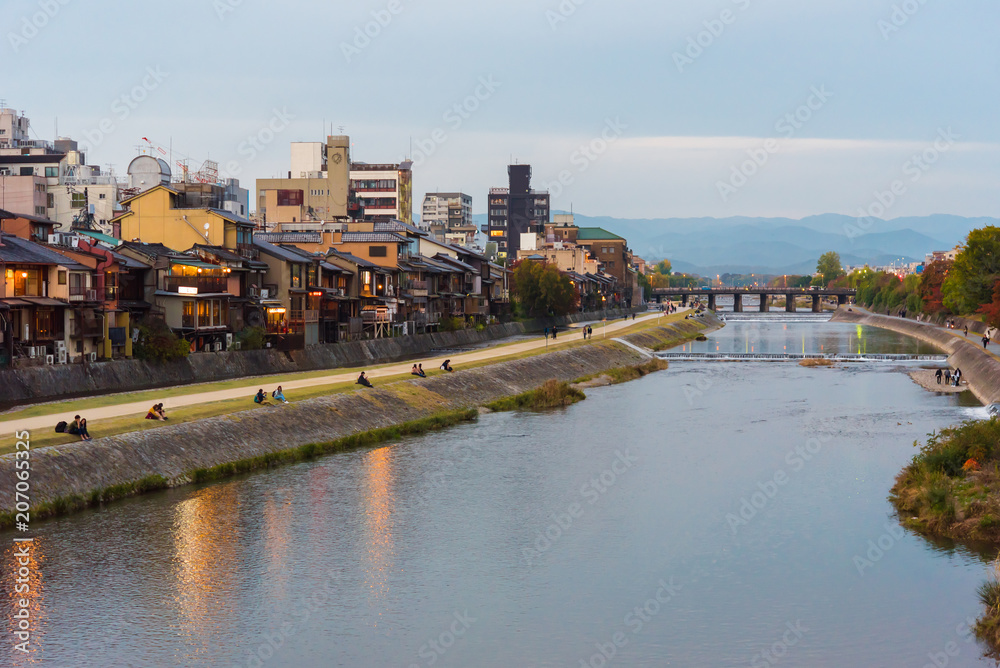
(632, 109)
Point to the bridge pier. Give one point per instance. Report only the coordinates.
(684, 300)
(737, 303)
(765, 306)
(817, 303)
(841, 300)
(789, 303)
(711, 302)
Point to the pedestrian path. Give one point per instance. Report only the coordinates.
(247, 391)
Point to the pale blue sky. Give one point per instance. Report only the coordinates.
(679, 133)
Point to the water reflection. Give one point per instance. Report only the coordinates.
(23, 581)
(378, 504)
(206, 560)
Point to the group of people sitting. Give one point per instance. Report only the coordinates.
(417, 370)
(156, 413)
(953, 378)
(78, 427)
(277, 395)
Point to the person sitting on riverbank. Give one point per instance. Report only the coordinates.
(420, 371)
(156, 413)
(414, 371)
(78, 427)
(446, 365)
(261, 398)
(938, 375)
(279, 395)
(363, 380)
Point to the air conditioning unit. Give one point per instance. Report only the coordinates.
(50, 359)
(32, 351)
(236, 345)
(218, 347)
(74, 242)
(93, 357)
(54, 239)
(60, 345)
(91, 295)
(264, 293)
(229, 340)
(63, 357)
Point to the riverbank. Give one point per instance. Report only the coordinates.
(979, 367)
(49, 383)
(927, 379)
(68, 477)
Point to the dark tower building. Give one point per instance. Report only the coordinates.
(516, 210)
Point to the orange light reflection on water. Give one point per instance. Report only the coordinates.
(34, 595)
(379, 504)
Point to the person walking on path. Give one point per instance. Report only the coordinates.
(958, 377)
(965, 332)
(590, 332)
(584, 333)
(947, 376)
(363, 380)
(938, 376)
(986, 341)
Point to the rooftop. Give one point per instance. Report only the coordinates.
(596, 234)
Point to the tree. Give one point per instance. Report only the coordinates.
(829, 267)
(158, 344)
(931, 282)
(658, 280)
(663, 267)
(541, 289)
(992, 310)
(975, 272)
(647, 287)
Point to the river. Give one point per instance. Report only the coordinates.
(716, 514)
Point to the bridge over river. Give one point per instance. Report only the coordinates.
(765, 295)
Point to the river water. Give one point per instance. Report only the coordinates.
(716, 514)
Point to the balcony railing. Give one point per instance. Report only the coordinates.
(248, 251)
(201, 285)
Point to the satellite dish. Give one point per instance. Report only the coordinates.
(207, 226)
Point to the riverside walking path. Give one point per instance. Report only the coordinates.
(61, 409)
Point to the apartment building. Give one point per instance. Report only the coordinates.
(515, 210)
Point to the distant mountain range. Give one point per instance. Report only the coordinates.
(710, 246)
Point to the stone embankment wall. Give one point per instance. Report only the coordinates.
(47, 383)
(175, 451)
(979, 368)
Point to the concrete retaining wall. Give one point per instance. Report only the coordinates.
(37, 384)
(979, 368)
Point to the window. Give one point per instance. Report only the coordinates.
(39, 210)
(377, 251)
(77, 200)
(62, 277)
(216, 312)
(102, 196)
(50, 201)
(27, 171)
(296, 275)
(187, 314)
(204, 313)
(289, 198)
(52, 172)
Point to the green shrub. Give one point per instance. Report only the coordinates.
(157, 343)
(252, 338)
(452, 324)
(553, 394)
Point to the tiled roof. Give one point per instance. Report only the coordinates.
(596, 234)
(373, 237)
(18, 250)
